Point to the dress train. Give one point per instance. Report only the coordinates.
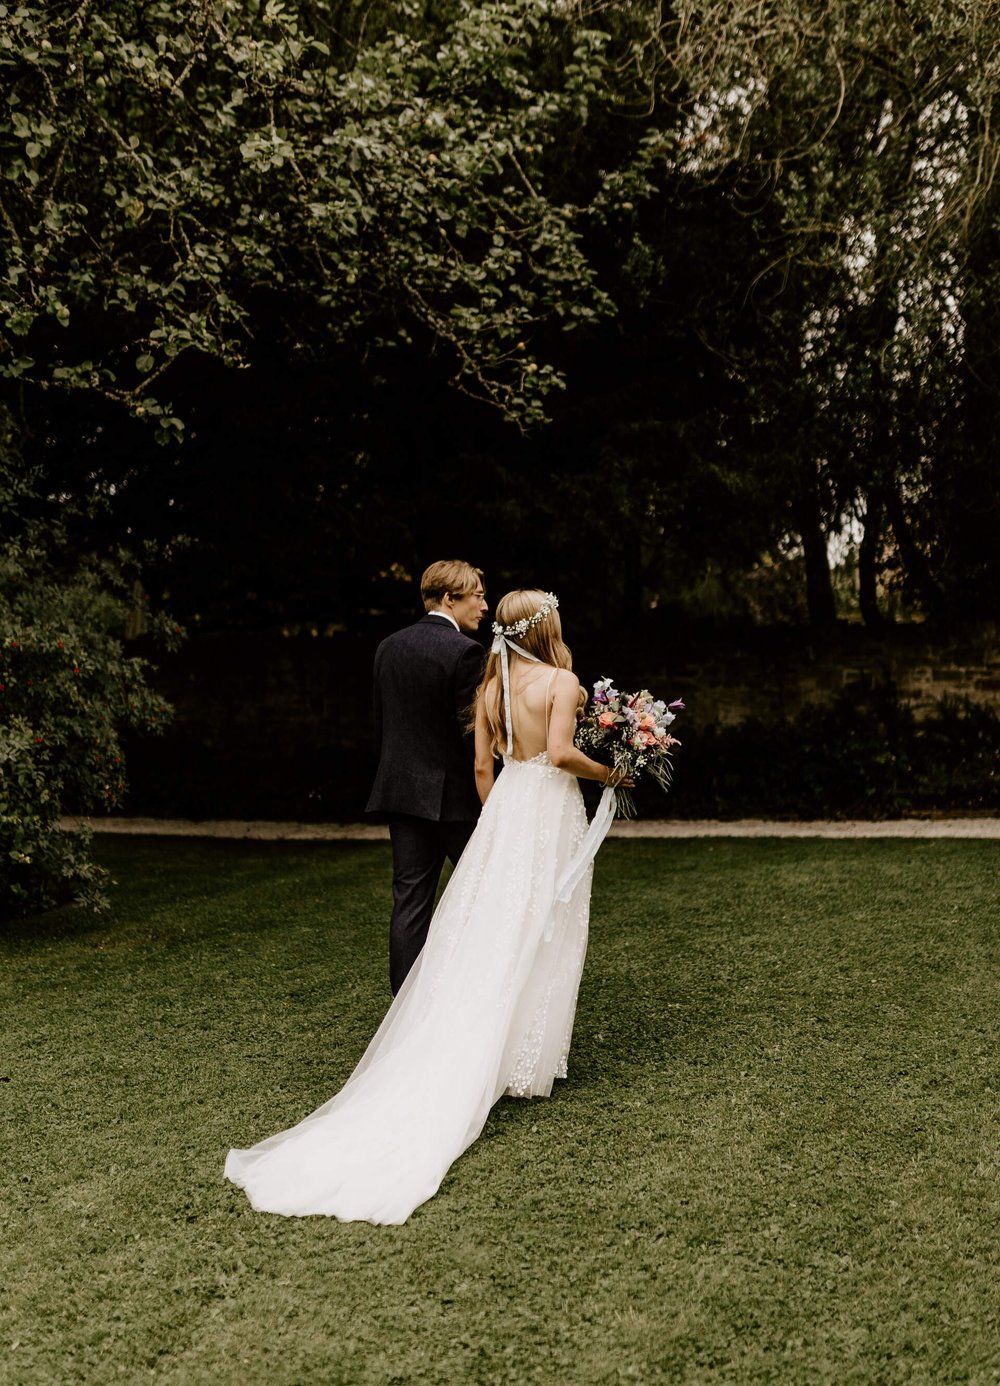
(488, 1008)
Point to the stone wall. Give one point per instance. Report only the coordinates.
(774, 673)
(268, 727)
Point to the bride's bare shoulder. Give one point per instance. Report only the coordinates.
(568, 688)
(566, 683)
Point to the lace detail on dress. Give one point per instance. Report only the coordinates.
(541, 759)
(543, 1052)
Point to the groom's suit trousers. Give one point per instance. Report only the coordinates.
(419, 847)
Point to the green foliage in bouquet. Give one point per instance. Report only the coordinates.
(67, 689)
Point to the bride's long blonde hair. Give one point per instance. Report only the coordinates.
(544, 641)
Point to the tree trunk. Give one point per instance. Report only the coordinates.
(914, 559)
(819, 584)
(868, 552)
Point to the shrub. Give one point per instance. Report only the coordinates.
(865, 754)
(67, 689)
(959, 753)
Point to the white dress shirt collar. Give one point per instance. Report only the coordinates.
(446, 617)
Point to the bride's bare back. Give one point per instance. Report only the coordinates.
(531, 704)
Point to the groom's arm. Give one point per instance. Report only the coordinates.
(467, 676)
(377, 699)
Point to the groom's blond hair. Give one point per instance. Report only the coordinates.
(450, 575)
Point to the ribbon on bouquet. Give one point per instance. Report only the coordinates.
(574, 873)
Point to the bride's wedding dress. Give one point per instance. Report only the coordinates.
(487, 1009)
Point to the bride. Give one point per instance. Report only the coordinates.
(488, 1007)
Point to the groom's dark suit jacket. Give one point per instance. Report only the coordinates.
(425, 679)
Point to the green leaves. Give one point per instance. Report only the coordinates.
(175, 165)
(67, 691)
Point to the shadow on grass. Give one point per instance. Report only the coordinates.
(159, 888)
(65, 923)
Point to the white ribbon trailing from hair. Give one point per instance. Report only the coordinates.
(499, 646)
(574, 873)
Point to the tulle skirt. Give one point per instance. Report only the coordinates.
(488, 1008)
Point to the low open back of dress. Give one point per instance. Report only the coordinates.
(531, 709)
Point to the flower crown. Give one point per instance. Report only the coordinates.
(526, 623)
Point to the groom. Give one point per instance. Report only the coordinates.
(425, 679)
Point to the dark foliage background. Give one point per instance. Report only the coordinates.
(687, 313)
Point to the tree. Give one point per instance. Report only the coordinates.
(768, 229)
(175, 179)
(859, 143)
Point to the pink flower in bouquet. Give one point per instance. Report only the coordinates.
(607, 719)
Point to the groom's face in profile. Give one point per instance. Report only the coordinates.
(468, 608)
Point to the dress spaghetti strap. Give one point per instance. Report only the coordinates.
(548, 708)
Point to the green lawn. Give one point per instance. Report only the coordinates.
(775, 1159)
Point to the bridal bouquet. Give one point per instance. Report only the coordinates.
(628, 731)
